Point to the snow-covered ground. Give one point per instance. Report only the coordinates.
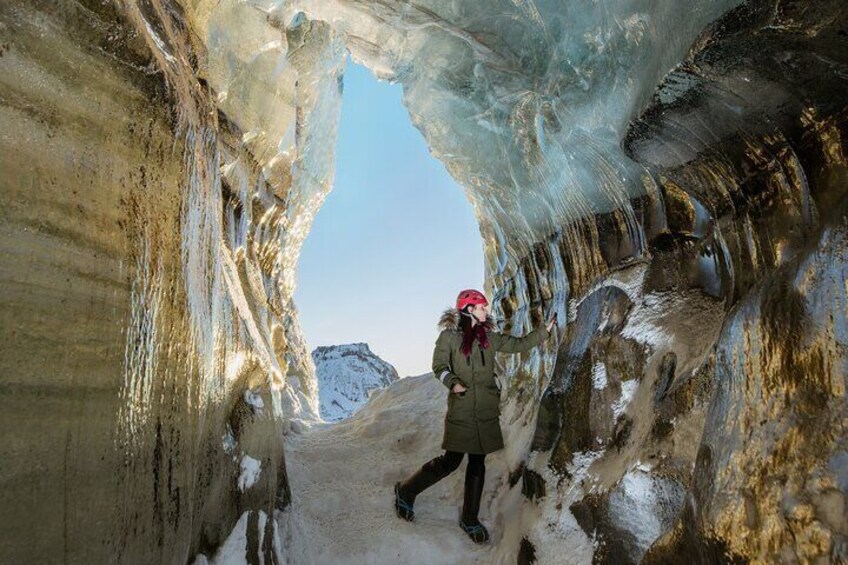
(342, 475)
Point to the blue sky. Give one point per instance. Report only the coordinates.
(394, 241)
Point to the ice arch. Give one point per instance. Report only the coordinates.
(170, 157)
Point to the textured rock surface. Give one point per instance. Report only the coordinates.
(670, 179)
(91, 197)
(129, 322)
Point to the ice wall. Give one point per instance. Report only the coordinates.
(147, 332)
(737, 400)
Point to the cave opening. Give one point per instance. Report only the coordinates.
(392, 244)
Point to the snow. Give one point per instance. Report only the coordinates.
(628, 389)
(342, 472)
(599, 375)
(553, 530)
(234, 549)
(629, 280)
(580, 463)
(250, 469)
(347, 374)
(644, 324)
(342, 476)
(645, 321)
(632, 501)
(254, 399)
(645, 506)
(228, 440)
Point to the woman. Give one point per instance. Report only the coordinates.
(464, 361)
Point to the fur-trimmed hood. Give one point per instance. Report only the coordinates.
(449, 320)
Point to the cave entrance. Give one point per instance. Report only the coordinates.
(393, 242)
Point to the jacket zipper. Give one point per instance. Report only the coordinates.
(474, 408)
(474, 400)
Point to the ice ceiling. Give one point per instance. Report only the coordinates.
(526, 103)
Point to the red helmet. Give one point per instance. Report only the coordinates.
(470, 296)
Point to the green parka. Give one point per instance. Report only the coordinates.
(472, 422)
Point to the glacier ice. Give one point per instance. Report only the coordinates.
(524, 103)
(669, 177)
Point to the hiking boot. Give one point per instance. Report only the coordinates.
(477, 532)
(471, 506)
(402, 507)
(429, 474)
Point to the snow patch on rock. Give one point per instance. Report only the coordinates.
(250, 469)
(644, 506)
(644, 324)
(254, 399)
(234, 550)
(599, 375)
(628, 389)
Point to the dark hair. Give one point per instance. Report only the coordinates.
(465, 321)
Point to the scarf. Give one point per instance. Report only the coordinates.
(478, 332)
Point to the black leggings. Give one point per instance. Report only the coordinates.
(451, 459)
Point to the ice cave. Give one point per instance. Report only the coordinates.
(665, 175)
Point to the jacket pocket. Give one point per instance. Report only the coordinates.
(458, 411)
